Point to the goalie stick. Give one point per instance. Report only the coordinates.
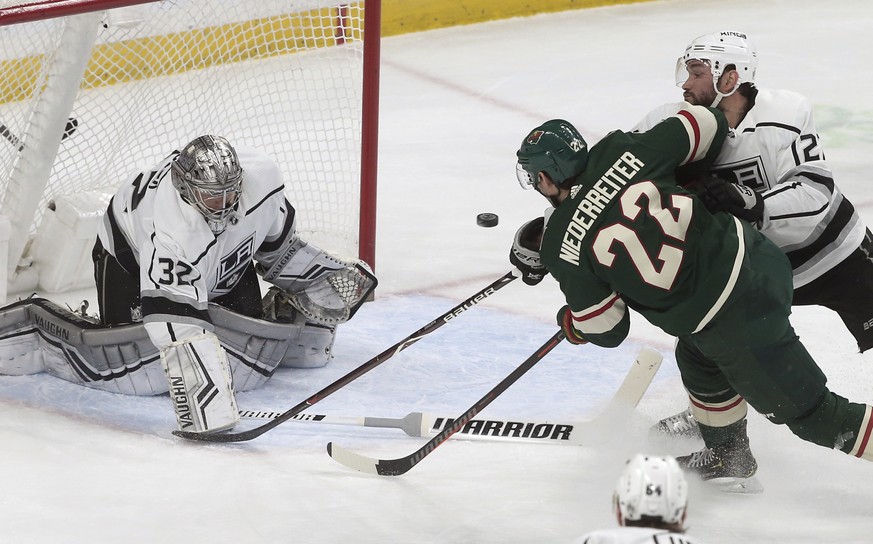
(69, 129)
(423, 424)
(628, 395)
(357, 372)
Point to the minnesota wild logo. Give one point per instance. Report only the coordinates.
(534, 137)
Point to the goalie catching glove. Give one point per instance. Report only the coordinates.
(324, 288)
(525, 252)
(719, 195)
(565, 321)
(334, 298)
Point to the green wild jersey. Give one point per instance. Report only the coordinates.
(629, 236)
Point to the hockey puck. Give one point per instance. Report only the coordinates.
(486, 219)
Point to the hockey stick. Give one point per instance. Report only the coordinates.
(419, 424)
(627, 397)
(359, 371)
(396, 467)
(69, 129)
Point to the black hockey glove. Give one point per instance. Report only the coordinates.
(740, 201)
(565, 321)
(525, 252)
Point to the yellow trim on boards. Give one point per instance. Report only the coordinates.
(405, 16)
(122, 61)
(155, 56)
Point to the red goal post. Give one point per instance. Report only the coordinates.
(94, 90)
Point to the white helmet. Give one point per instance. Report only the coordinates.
(208, 176)
(651, 486)
(719, 50)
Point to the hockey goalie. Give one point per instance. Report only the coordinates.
(176, 265)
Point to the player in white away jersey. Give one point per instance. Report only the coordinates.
(650, 501)
(772, 172)
(189, 232)
(773, 149)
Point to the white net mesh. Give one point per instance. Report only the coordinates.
(283, 76)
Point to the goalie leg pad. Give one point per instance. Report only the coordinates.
(255, 348)
(200, 384)
(37, 335)
(20, 352)
(312, 345)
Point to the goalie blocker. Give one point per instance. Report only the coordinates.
(37, 335)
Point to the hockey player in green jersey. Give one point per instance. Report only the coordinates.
(772, 172)
(623, 235)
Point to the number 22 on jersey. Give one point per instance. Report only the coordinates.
(673, 222)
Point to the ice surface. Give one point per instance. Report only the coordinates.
(84, 466)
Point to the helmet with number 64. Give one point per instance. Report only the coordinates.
(651, 487)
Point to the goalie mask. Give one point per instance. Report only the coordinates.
(652, 487)
(556, 148)
(208, 176)
(718, 51)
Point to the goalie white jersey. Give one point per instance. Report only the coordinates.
(775, 150)
(165, 242)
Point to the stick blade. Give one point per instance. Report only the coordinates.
(623, 403)
(352, 460)
(638, 379)
(221, 437)
(651, 358)
(368, 465)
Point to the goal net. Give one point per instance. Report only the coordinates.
(95, 90)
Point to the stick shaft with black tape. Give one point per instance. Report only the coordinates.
(396, 467)
(357, 372)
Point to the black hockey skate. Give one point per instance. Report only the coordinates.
(681, 425)
(730, 466)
